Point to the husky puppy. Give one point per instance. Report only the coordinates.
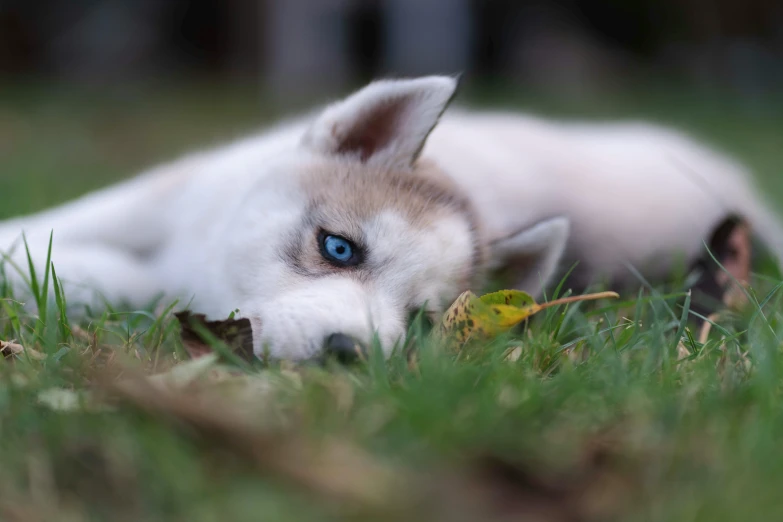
(340, 224)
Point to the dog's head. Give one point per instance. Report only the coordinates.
(353, 231)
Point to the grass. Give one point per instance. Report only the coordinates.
(612, 410)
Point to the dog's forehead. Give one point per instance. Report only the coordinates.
(352, 192)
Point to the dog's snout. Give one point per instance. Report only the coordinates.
(344, 348)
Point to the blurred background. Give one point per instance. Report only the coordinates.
(91, 90)
(304, 47)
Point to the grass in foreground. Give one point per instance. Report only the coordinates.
(590, 414)
(612, 410)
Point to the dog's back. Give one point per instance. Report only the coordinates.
(634, 192)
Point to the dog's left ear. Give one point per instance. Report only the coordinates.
(385, 124)
(528, 259)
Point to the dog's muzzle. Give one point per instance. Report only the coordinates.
(344, 349)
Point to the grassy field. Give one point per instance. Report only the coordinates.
(613, 411)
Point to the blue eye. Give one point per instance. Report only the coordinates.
(338, 250)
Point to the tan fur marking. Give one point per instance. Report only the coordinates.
(347, 194)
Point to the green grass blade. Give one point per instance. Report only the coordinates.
(44, 307)
(686, 308)
(59, 296)
(34, 286)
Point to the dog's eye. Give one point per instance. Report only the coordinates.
(339, 250)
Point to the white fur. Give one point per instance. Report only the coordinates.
(633, 192)
(210, 228)
(540, 246)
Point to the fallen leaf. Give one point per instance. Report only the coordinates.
(10, 348)
(237, 334)
(472, 317)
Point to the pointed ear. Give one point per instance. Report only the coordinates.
(385, 124)
(529, 258)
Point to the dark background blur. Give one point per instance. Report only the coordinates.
(306, 47)
(92, 91)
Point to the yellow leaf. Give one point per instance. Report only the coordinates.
(516, 298)
(471, 317)
(468, 316)
(506, 316)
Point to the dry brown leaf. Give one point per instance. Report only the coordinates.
(10, 348)
(237, 334)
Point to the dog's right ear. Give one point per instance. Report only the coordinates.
(527, 259)
(385, 124)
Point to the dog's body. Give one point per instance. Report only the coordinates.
(345, 222)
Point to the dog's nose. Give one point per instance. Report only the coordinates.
(344, 348)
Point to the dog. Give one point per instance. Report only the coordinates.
(338, 225)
